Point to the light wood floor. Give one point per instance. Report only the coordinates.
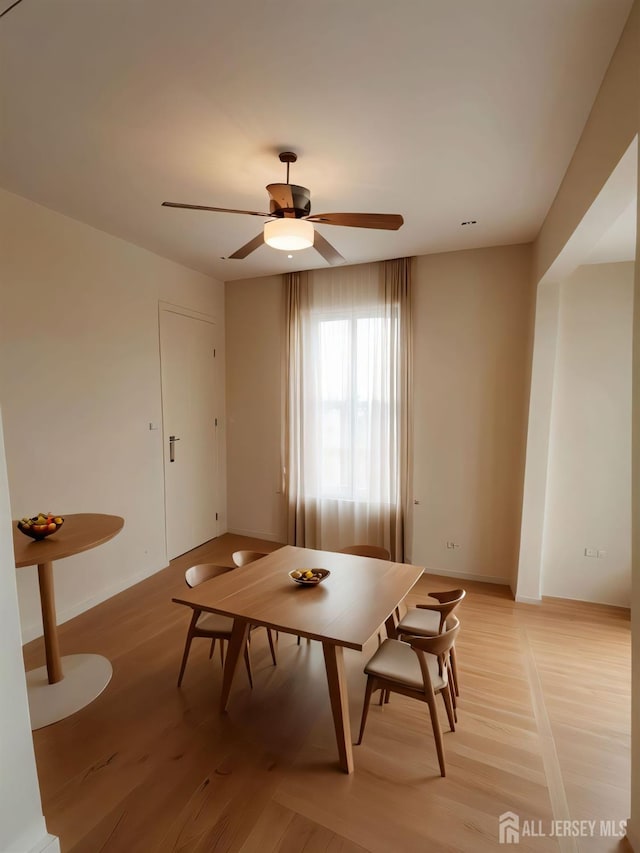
(543, 732)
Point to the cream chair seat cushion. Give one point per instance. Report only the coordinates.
(420, 622)
(215, 622)
(396, 661)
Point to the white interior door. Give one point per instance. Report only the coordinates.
(189, 414)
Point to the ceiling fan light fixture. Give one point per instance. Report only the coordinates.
(289, 235)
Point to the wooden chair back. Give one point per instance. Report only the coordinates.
(448, 596)
(204, 572)
(373, 551)
(243, 558)
(448, 602)
(439, 646)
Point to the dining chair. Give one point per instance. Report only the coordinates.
(418, 669)
(243, 558)
(373, 551)
(428, 620)
(376, 553)
(211, 626)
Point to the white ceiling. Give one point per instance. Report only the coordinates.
(442, 112)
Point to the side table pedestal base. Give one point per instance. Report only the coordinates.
(85, 677)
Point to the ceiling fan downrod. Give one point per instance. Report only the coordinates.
(287, 157)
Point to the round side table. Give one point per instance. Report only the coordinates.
(64, 685)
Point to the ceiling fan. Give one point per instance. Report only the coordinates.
(290, 225)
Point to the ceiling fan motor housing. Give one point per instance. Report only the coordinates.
(289, 200)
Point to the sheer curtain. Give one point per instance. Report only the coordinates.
(347, 418)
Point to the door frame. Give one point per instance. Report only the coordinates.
(172, 308)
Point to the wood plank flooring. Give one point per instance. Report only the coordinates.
(543, 732)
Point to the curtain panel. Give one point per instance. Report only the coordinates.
(347, 440)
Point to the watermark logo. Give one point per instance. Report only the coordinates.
(511, 828)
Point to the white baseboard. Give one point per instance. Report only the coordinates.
(34, 629)
(523, 599)
(49, 844)
(254, 534)
(624, 606)
(468, 576)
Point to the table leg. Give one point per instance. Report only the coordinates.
(334, 663)
(237, 643)
(49, 624)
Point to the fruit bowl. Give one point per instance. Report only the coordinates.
(309, 577)
(40, 526)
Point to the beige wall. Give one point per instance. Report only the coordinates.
(527, 583)
(634, 824)
(610, 129)
(254, 324)
(612, 125)
(80, 384)
(589, 480)
(22, 825)
(472, 312)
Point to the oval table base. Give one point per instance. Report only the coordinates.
(85, 677)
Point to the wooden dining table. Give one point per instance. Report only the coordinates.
(342, 612)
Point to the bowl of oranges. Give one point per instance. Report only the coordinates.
(41, 525)
(309, 577)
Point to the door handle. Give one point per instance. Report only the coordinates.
(172, 448)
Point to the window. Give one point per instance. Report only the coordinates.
(353, 406)
(347, 405)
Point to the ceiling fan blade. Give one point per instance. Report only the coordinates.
(384, 221)
(9, 8)
(214, 209)
(324, 247)
(249, 247)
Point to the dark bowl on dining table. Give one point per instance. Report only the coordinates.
(318, 576)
